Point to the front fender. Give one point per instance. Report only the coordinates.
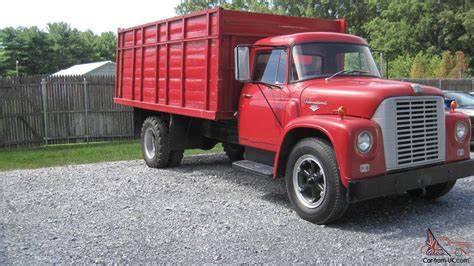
(453, 145)
(342, 134)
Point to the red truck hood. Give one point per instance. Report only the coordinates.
(360, 95)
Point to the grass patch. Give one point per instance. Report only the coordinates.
(80, 153)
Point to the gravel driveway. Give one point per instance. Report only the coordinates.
(204, 211)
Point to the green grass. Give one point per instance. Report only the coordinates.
(81, 153)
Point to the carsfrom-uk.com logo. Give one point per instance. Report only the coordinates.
(442, 249)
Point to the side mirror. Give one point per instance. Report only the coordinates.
(241, 61)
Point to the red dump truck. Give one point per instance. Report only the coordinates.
(289, 97)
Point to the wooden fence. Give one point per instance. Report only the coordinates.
(39, 110)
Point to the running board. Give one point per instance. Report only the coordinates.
(253, 168)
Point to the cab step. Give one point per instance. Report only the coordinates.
(253, 168)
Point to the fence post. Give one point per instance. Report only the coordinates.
(86, 110)
(45, 109)
(440, 82)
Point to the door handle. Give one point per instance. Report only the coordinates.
(247, 95)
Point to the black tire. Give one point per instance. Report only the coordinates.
(157, 155)
(175, 158)
(332, 199)
(235, 152)
(434, 191)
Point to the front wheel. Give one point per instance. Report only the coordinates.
(313, 182)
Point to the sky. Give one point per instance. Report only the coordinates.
(98, 16)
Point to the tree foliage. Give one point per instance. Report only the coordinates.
(408, 27)
(420, 66)
(446, 65)
(400, 67)
(460, 66)
(47, 51)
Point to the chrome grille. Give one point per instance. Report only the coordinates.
(413, 130)
(417, 131)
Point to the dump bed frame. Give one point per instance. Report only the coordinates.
(185, 65)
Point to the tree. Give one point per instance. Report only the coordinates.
(460, 66)
(408, 27)
(104, 46)
(4, 68)
(468, 23)
(419, 68)
(67, 45)
(446, 65)
(28, 46)
(45, 52)
(433, 66)
(400, 67)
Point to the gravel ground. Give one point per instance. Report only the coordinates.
(205, 212)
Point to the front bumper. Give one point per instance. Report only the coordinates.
(398, 183)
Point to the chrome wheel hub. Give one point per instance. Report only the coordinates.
(309, 181)
(149, 143)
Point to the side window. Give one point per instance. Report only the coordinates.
(270, 66)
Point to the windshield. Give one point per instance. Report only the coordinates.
(463, 99)
(316, 60)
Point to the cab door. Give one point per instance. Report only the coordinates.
(262, 107)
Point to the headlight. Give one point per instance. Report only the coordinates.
(461, 130)
(364, 142)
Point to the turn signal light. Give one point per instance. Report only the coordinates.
(342, 111)
(454, 105)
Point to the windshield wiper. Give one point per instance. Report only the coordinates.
(267, 84)
(347, 72)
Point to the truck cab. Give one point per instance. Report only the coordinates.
(295, 73)
(318, 98)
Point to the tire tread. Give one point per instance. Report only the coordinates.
(338, 206)
(162, 155)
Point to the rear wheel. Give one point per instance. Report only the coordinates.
(434, 191)
(313, 182)
(235, 152)
(155, 146)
